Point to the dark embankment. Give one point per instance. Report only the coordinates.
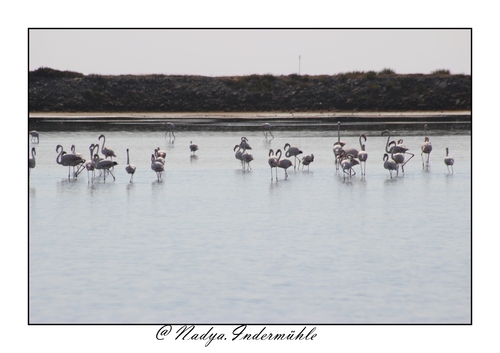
(64, 91)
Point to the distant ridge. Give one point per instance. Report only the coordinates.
(67, 91)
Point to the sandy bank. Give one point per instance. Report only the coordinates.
(257, 116)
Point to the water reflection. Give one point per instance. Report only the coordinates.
(390, 181)
(130, 187)
(156, 184)
(66, 185)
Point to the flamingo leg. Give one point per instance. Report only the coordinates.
(80, 169)
(412, 155)
(426, 163)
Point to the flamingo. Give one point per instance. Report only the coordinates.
(90, 165)
(306, 160)
(68, 159)
(283, 163)
(350, 150)
(337, 146)
(31, 161)
(362, 155)
(396, 148)
(193, 147)
(34, 136)
(96, 157)
(160, 155)
(238, 155)
(130, 168)
(388, 148)
(426, 147)
(347, 162)
(246, 158)
(156, 167)
(160, 159)
(170, 130)
(449, 161)
(399, 148)
(273, 163)
(398, 157)
(266, 127)
(107, 152)
(292, 151)
(106, 165)
(341, 143)
(244, 144)
(389, 164)
(81, 167)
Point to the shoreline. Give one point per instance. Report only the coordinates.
(443, 120)
(251, 115)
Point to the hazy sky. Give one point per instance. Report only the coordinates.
(245, 52)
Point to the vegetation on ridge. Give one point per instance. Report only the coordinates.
(68, 91)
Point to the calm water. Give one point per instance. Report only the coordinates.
(212, 243)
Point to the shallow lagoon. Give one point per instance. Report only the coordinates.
(213, 243)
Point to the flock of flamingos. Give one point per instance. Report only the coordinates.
(396, 155)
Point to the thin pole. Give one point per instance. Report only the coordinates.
(299, 64)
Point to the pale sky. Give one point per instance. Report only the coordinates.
(224, 52)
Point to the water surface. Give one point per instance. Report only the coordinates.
(212, 243)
